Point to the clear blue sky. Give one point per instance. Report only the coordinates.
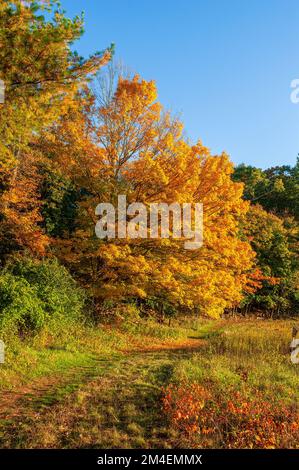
(224, 65)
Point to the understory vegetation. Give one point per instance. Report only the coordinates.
(239, 391)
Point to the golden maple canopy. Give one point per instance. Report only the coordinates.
(131, 146)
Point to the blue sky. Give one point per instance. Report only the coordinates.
(224, 65)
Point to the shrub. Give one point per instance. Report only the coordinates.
(231, 421)
(33, 294)
(184, 404)
(55, 287)
(158, 307)
(21, 310)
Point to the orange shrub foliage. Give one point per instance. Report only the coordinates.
(235, 421)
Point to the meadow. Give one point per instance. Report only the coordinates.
(206, 383)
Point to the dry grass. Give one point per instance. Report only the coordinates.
(106, 391)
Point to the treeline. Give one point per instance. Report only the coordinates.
(271, 226)
(73, 134)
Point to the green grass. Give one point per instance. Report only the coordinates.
(49, 353)
(253, 353)
(112, 400)
(102, 387)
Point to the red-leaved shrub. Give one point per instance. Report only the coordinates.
(236, 420)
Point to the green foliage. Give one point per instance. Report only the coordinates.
(273, 230)
(21, 310)
(35, 63)
(35, 294)
(158, 306)
(276, 189)
(60, 205)
(56, 287)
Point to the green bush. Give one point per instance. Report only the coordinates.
(21, 310)
(33, 294)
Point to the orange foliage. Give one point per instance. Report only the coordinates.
(129, 146)
(231, 421)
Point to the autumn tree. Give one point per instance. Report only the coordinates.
(42, 76)
(130, 146)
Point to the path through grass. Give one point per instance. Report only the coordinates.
(109, 403)
(111, 398)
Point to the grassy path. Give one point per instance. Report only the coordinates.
(111, 402)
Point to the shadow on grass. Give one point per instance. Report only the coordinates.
(125, 394)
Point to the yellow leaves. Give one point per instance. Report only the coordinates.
(136, 90)
(278, 185)
(128, 147)
(135, 99)
(42, 78)
(111, 251)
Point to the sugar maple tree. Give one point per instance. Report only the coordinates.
(129, 146)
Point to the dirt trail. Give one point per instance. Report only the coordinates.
(113, 402)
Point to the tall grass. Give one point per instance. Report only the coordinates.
(247, 354)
